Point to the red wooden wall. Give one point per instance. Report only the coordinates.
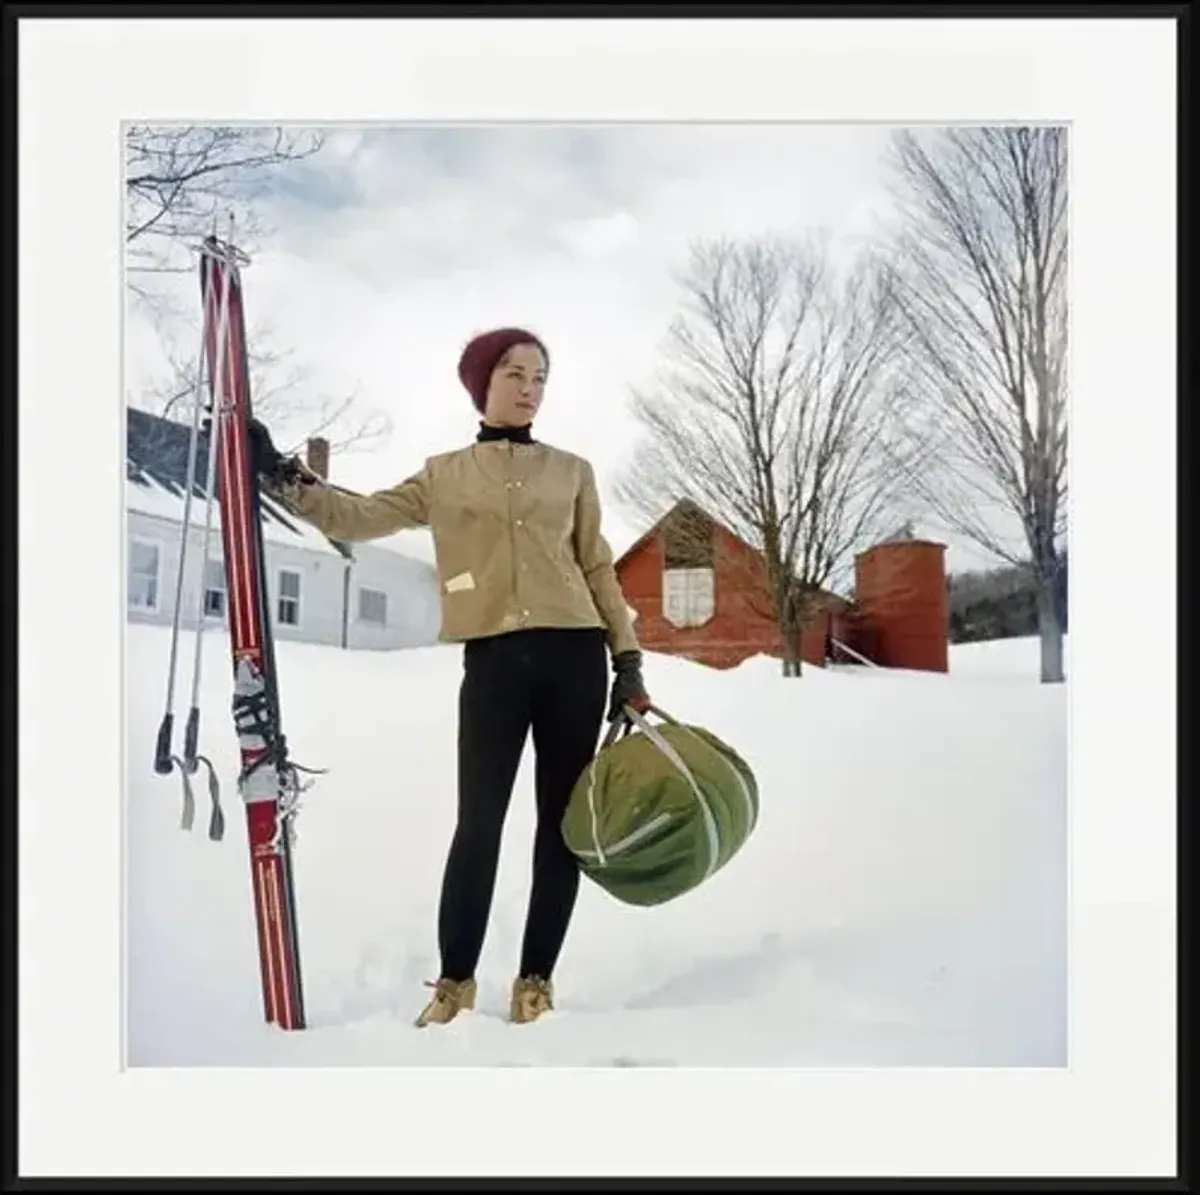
(742, 625)
(900, 618)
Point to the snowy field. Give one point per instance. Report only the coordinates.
(902, 901)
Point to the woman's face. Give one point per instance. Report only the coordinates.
(517, 386)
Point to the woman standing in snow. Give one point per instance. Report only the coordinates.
(528, 586)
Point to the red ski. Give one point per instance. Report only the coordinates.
(267, 780)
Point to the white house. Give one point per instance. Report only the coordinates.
(344, 595)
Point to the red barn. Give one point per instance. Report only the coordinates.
(701, 592)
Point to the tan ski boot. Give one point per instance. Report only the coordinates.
(449, 999)
(531, 997)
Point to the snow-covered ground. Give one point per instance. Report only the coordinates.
(901, 902)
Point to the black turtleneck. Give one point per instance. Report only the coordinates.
(518, 435)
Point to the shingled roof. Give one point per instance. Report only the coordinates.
(156, 468)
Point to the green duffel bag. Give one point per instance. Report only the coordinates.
(660, 809)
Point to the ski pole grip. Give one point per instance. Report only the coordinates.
(190, 737)
(162, 750)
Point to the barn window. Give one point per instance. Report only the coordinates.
(688, 596)
(689, 583)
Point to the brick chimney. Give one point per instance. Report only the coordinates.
(317, 456)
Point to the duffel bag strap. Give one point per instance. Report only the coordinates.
(623, 725)
(618, 729)
(638, 720)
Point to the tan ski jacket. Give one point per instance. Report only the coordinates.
(516, 532)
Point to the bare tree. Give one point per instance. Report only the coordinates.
(981, 279)
(180, 183)
(283, 399)
(179, 180)
(774, 413)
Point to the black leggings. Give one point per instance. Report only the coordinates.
(555, 684)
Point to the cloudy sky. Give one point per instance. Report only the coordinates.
(394, 245)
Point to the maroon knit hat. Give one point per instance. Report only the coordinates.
(480, 356)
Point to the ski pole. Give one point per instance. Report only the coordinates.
(162, 754)
(217, 410)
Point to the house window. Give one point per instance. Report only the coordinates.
(143, 575)
(689, 596)
(289, 597)
(372, 607)
(214, 589)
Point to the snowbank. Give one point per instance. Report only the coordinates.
(902, 901)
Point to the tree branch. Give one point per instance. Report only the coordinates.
(776, 411)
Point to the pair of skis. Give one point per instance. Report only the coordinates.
(268, 780)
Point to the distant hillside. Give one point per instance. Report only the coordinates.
(997, 603)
